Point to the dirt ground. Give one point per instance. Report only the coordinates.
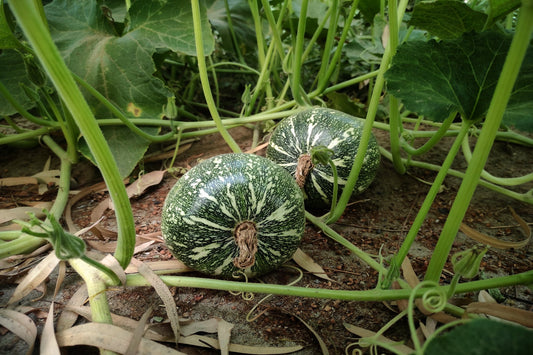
(378, 220)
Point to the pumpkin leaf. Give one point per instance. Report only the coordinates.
(447, 19)
(13, 76)
(120, 65)
(485, 336)
(499, 8)
(437, 78)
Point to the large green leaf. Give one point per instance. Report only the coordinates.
(437, 78)
(241, 20)
(167, 24)
(13, 75)
(483, 336)
(7, 39)
(120, 66)
(447, 19)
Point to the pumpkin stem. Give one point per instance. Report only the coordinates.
(246, 239)
(304, 167)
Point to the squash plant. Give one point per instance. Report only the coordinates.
(302, 53)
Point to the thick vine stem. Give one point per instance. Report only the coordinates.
(246, 238)
(28, 17)
(373, 295)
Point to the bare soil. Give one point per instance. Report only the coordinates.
(377, 223)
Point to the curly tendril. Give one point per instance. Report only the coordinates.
(433, 299)
(247, 296)
(250, 317)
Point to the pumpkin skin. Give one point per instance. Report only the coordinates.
(231, 192)
(294, 136)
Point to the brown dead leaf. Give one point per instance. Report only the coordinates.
(208, 342)
(321, 342)
(7, 215)
(508, 313)
(67, 318)
(496, 242)
(109, 337)
(138, 333)
(74, 199)
(365, 333)
(164, 266)
(35, 277)
(164, 293)
(21, 325)
(135, 189)
(224, 335)
(308, 264)
(48, 339)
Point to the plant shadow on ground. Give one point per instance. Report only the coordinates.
(376, 222)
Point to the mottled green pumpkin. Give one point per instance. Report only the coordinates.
(295, 136)
(234, 212)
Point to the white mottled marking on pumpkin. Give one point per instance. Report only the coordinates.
(222, 266)
(280, 214)
(317, 186)
(330, 178)
(194, 220)
(233, 201)
(203, 251)
(204, 194)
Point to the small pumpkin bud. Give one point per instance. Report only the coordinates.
(466, 263)
(321, 155)
(170, 110)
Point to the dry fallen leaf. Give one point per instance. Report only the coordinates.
(207, 342)
(35, 277)
(321, 342)
(21, 325)
(67, 318)
(308, 264)
(138, 333)
(48, 339)
(364, 333)
(496, 242)
(7, 215)
(501, 311)
(164, 293)
(109, 337)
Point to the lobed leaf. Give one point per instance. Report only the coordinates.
(447, 19)
(13, 75)
(437, 78)
(483, 336)
(120, 65)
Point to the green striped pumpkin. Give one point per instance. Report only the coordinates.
(295, 136)
(234, 212)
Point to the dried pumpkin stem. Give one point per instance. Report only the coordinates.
(303, 168)
(246, 239)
